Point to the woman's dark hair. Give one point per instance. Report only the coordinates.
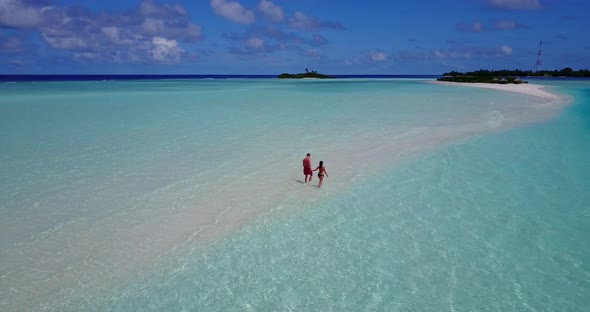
(321, 163)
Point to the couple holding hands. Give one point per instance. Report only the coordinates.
(307, 171)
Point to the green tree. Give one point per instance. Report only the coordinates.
(566, 71)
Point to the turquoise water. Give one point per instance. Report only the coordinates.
(171, 196)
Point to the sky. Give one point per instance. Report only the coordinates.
(276, 36)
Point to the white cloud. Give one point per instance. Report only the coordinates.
(150, 8)
(180, 9)
(115, 35)
(164, 50)
(147, 8)
(130, 36)
(303, 22)
(167, 21)
(152, 26)
(506, 50)
(159, 27)
(57, 31)
(233, 11)
(271, 10)
(515, 4)
(68, 43)
(379, 56)
(313, 53)
(255, 43)
(86, 56)
(318, 40)
(15, 13)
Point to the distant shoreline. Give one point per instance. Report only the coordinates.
(100, 77)
(306, 75)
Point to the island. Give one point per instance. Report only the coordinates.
(509, 76)
(306, 74)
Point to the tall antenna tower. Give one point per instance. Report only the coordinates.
(539, 56)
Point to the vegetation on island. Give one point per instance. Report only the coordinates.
(566, 72)
(510, 76)
(306, 74)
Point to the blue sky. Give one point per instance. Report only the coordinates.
(274, 36)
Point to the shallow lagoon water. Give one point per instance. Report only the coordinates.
(185, 195)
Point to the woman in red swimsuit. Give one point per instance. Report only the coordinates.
(321, 173)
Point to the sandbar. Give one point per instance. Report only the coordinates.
(525, 88)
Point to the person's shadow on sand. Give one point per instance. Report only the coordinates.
(299, 181)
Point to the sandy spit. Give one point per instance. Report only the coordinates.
(525, 88)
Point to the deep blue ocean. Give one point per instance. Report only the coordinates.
(31, 78)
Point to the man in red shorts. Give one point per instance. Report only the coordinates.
(307, 167)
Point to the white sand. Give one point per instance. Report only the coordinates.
(525, 88)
